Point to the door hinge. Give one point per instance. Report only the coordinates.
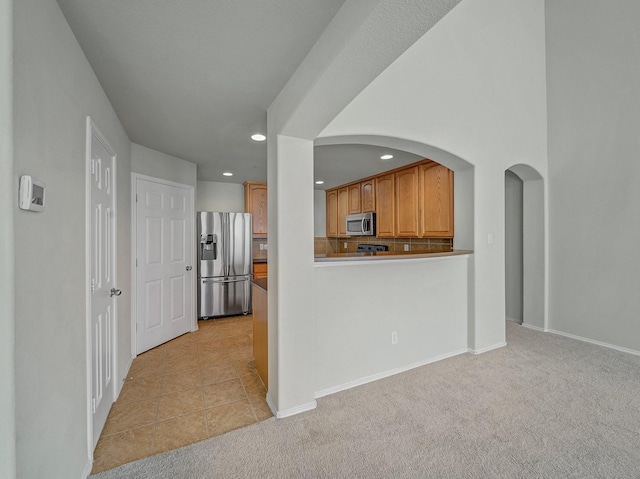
(93, 285)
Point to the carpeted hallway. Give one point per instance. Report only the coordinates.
(545, 406)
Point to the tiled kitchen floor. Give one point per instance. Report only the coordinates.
(199, 385)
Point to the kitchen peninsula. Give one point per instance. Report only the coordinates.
(386, 255)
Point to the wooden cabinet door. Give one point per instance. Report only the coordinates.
(436, 199)
(368, 195)
(385, 210)
(332, 213)
(343, 210)
(260, 270)
(354, 199)
(406, 204)
(255, 202)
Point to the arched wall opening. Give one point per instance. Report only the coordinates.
(413, 303)
(525, 247)
(463, 176)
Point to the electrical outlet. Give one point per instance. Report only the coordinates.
(406, 247)
(345, 245)
(394, 337)
(265, 246)
(261, 247)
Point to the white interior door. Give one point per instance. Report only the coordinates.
(103, 292)
(164, 249)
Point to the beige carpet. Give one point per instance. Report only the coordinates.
(543, 407)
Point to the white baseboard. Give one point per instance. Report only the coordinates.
(124, 372)
(291, 411)
(384, 374)
(598, 343)
(274, 411)
(488, 348)
(87, 469)
(535, 328)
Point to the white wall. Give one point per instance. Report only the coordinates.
(480, 75)
(473, 87)
(319, 213)
(361, 40)
(7, 248)
(54, 91)
(594, 119)
(423, 300)
(513, 246)
(160, 165)
(216, 196)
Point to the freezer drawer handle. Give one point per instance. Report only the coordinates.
(210, 281)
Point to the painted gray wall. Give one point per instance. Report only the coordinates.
(513, 228)
(7, 205)
(414, 298)
(54, 91)
(160, 165)
(593, 123)
(480, 70)
(216, 196)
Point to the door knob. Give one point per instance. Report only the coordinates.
(115, 292)
(188, 268)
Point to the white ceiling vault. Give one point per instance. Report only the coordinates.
(194, 78)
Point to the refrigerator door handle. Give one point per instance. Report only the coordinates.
(212, 281)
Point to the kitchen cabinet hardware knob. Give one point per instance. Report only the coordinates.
(188, 268)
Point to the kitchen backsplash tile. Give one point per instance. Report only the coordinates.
(257, 252)
(324, 245)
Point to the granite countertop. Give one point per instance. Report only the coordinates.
(259, 260)
(260, 283)
(381, 255)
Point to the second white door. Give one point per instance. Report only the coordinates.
(164, 254)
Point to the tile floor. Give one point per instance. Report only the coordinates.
(199, 385)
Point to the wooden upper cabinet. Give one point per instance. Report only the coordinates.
(436, 199)
(354, 199)
(332, 213)
(385, 200)
(368, 195)
(406, 203)
(255, 202)
(343, 210)
(414, 201)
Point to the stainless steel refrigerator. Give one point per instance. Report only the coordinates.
(224, 264)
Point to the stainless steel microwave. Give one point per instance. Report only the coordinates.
(361, 224)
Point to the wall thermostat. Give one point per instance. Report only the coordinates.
(31, 194)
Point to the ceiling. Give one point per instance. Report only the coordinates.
(194, 78)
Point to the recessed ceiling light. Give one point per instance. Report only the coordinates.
(386, 157)
(319, 182)
(258, 137)
(227, 173)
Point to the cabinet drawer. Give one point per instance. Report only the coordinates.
(260, 270)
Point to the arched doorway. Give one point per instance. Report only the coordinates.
(525, 247)
(513, 246)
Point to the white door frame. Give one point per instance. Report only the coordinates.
(134, 249)
(92, 129)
